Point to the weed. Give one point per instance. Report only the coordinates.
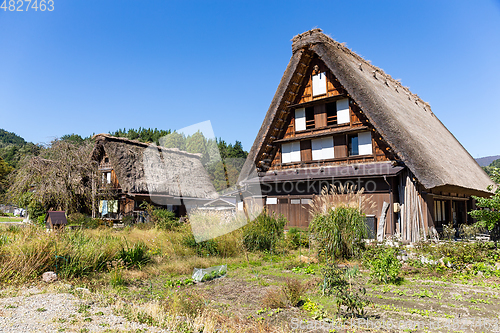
(264, 232)
(135, 256)
(274, 298)
(41, 309)
(294, 291)
(116, 273)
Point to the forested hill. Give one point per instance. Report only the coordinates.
(13, 148)
(9, 138)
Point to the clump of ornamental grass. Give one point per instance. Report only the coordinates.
(338, 225)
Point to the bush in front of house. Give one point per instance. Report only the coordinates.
(165, 219)
(264, 232)
(384, 265)
(339, 232)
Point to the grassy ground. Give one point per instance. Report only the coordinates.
(158, 290)
(11, 219)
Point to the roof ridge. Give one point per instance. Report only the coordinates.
(144, 144)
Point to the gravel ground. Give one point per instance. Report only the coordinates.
(35, 311)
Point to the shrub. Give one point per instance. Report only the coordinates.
(128, 220)
(339, 282)
(294, 291)
(385, 267)
(165, 219)
(264, 233)
(297, 238)
(202, 249)
(41, 220)
(77, 219)
(339, 232)
(136, 256)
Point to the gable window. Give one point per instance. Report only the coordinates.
(319, 84)
(331, 114)
(343, 114)
(360, 144)
(106, 177)
(322, 148)
(290, 152)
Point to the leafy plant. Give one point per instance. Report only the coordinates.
(385, 268)
(449, 231)
(297, 238)
(179, 283)
(488, 215)
(264, 232)
(137, 255)
(213, 275)
(339, 283)
(315, 310)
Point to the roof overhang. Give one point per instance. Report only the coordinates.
(368, 170)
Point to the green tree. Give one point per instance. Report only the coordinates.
(174, 140)
(489, 214)
(5, 169)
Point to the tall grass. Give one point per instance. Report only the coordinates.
(338, 224)
(32, 251)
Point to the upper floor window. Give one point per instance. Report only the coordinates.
(304, 119)
(106, 177)
(331, 114)
(322, 149)
(290, 152)
(343, 114)
(360, 144)
(319, 84)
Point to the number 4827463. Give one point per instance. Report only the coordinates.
(26, 5)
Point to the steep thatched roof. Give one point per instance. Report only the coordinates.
(143, 168)
(406, 123)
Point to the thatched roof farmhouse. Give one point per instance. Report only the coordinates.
(133, 172)
(337, 119)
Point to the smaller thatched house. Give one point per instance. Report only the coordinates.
(133, 172)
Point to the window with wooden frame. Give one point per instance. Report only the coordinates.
(290, 152)
(440, 214)
(309, 112)
(343, 113)
(331, 114)
(319, 84)
(360, 144)
(322, 148)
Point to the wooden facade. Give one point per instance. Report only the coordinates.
(324, 129)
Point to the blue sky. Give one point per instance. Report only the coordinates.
(97, 66)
